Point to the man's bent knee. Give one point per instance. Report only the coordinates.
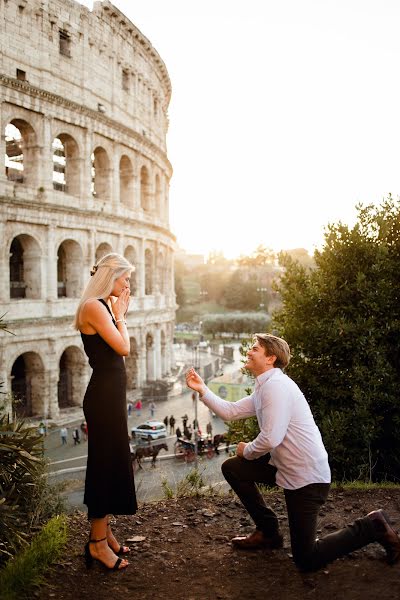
(229, 466)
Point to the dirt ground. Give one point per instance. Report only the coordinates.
(187, 555)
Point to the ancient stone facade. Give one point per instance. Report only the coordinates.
(84, 100)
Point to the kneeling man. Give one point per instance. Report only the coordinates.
(288, 452)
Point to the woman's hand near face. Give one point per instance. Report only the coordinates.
(121, 304)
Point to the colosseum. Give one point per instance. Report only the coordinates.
(84, 99)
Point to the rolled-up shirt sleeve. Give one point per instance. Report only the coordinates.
(229, 411)
(273, 420)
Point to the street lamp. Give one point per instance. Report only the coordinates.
(197, 365)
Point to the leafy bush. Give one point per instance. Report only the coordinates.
(342, 322)
(28, 568)
(26, 500)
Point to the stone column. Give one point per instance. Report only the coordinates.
(4, 267)
(51, 265)
(140, 270)
(52, 375)
(45, 154)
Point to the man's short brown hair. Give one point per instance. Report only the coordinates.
(274, 346)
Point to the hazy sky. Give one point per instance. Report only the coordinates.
(284, 115)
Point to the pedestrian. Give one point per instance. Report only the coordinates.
(76, 437)
(152, 408)
(64, 436)
(84, 430)
(187, 433)
(138, 407)
(129, 407)
(178, 433)
(165, 421)
(288, 452)
(109, 485)
(209, 429)
(172, 424)
(185, 419)
(42, 428)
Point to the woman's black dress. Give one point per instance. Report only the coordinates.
(109, 485)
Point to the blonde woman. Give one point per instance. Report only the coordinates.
(109, 485)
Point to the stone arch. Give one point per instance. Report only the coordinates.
(72, 377)
(69, 269)
(101, 184)
(101, 250)
(25, 271)
(21, 158)
(148, 272)
(28, 385)
(130, 254)
(131, 365)
(145, 199)
(126, 182)
(150, 358)
(158, 197)
(66, 164)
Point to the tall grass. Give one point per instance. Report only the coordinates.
(27, 569)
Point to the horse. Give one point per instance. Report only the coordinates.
(148, 451)
(220, 438)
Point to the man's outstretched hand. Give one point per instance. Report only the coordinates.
(195, 382)
(240, 448)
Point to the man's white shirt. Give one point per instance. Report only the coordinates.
(287, 429)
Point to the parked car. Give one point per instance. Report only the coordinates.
(154, 429)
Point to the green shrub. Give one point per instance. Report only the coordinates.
(26, 570)
(26, 500)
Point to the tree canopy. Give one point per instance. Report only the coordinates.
(342, 322)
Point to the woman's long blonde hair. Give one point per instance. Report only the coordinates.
(103, 276)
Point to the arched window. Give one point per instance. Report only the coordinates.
(130, 255)
(163, 354)
(71, 381)
(25, 272)
(66, 175)
(158, 198)
(150, 356)
(27, 385)
(145, 190)
(100, 174)
(21, 157)
(102, 250)
(126, 182)
(69, 270)
(14, 159)
(148, 272)
(161, 272)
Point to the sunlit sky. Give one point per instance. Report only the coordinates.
(284, 115)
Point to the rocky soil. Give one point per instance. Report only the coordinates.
(186, 554)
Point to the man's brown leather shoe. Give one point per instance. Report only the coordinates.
(386, 535)
(257, 540)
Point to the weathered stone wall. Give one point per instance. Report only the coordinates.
(93, 82)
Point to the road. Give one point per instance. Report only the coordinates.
(67, 463)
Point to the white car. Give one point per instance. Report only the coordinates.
(154, 429)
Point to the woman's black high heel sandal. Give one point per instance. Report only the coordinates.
(121, 549)
(89, 558)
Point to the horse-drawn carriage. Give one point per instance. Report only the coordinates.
(185, 449)
(147, 451)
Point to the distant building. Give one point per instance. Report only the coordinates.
(190, 261)
(84, 99)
